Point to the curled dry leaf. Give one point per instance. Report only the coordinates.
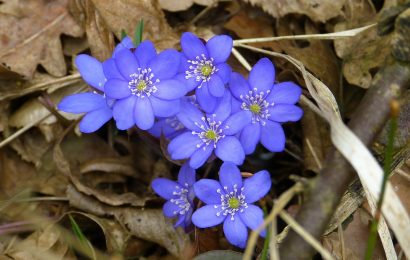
(125, 15)
(181, 5)
(147, 224)
(319, 11)
(100, 38)
(363, 53)
(34, 37)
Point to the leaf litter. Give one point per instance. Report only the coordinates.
(105, 177)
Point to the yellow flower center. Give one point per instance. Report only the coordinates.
(255, 108)
(142, 85)
(206, 70)
(210, 134)
(233, 203)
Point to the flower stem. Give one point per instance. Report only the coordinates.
(264, 254)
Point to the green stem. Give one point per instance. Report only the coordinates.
(371, 243)
(264, 255)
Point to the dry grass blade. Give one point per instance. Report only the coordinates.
(369, 171)
(278, 207)
(309, 238)
(325, 36)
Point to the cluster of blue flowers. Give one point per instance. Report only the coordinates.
(194, 99)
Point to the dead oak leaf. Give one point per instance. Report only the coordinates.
(318, 11)
(33, 37)
(181, 5)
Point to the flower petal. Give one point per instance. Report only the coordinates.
(224, 71)
(190, 84)
(230, 176)
(262, 75)
(143, 114)
(126, 63)
(250, 137)
(183, 146)
(238, 85)
(284, 93)
(186, 175)
(145, 52)
(91, 71)
(82, 103)
(219, 48)
(117, 89)
(170, 89)
(166, 64)
(164, 108)
(192, 46)
(92, 121)
(285, 113)
(205, 99)
(223, 109)
(273, 136)
(199, 157)
(111, 70)
(252, 217)
(208, 191)
(164, 187)
(257, 186)
(229, 149)
(126, 43)
(206, 216)
(190, 116)
(170, 209)
(235, 231)
(123, 113)
(236, 122)
(216, 86)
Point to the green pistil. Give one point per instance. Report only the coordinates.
(255, 108)
(233, 203)
(142, 85)
(206, 70)
(210, 134)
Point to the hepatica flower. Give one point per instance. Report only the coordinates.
(229, 201)
(207, 133)
(179, 195)
(204, 68)
(269, 105)
(143, 85)
(169, 127)
(96, 107)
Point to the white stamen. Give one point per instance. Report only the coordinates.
(195, 69)
(146, 77)
(257, 98)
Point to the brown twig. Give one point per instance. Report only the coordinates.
(329, 187)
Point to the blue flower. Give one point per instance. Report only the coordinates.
(204, 68)
(169, 127)
(230, 201)
(179, 195)
(269, 104)
(209, 132)
(143, 85)
(97, 107)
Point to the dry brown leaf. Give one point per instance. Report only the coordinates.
(34, 37)
(125, 15)
(355, 236)
(319, 11)
(181, 5)
(147, 224)
(365, 53)
(100, 38)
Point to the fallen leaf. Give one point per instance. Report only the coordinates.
(147, 224)
(319, 11)
(34, 37)
(125, 15)
(99, 37)
(181, 5)
(365, 53)
(355, 236)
